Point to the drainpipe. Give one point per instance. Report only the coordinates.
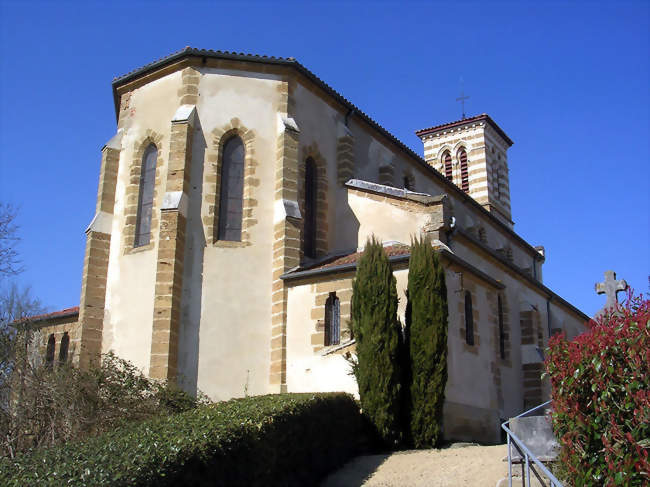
(348, 115)
(548, 314)
(450, 233)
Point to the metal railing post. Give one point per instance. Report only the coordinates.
(526, 455)
(509, 462)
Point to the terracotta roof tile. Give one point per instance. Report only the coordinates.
(64, 313)
(334, 261)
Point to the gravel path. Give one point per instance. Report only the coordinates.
(455, 466)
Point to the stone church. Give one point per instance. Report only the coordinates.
(234, 201)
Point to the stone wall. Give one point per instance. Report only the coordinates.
(57, 327)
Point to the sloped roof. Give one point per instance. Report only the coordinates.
(293, 63)
(54, 315)
(401, 253)
(464, 121)
(351, 258)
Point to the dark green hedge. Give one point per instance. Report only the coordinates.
(285, 439)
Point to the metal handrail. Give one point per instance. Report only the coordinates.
(525, 452)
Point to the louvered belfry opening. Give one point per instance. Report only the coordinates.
(464, 171)
(311, 192)
(447, 161)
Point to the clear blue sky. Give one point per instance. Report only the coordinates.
(568, 82)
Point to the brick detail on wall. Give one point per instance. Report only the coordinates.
(133, 193)
(492, 298)
(497, 362)
(169, 265)
(93, 295)
(286, 240)
(212, 182)
(56, 327)
(322, 225)
(321, 291)
(87, 342)
(189, 91)
(167, 302)
(344, 159)
(125, 109)
(527, 327)
(387, 174)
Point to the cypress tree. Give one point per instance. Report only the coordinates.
(427, 335)
(377, 334)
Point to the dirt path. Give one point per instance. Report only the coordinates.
(454, 466)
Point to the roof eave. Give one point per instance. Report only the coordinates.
(460, 123)
(290, 62)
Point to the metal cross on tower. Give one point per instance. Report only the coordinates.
(611, 287)
(462, 96)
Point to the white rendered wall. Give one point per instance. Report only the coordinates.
(234, 331)
(131, 278)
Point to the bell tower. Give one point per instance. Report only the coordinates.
(473, 154)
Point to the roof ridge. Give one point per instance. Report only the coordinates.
(464, 121)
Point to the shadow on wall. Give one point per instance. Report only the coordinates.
(356, 472)
(346, 226)
(188, 340)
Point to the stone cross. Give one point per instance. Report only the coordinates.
(611, 287)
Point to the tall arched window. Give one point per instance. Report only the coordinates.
(63, 348)
(469, 319)
(502, 334)
(446, 159)
(464, 170)
(49, 352)
(145, 198)
(232, 191)
(332, 320)
(311, 194)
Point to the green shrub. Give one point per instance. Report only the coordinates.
(286, 439)
(377, 333)
(601, 398)
(426, 332)
(52, 406)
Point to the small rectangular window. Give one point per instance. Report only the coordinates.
(469, 319)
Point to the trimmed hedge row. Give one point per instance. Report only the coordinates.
(283, 439)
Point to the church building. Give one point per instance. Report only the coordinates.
(234, 202)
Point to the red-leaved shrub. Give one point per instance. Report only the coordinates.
(601, 398)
